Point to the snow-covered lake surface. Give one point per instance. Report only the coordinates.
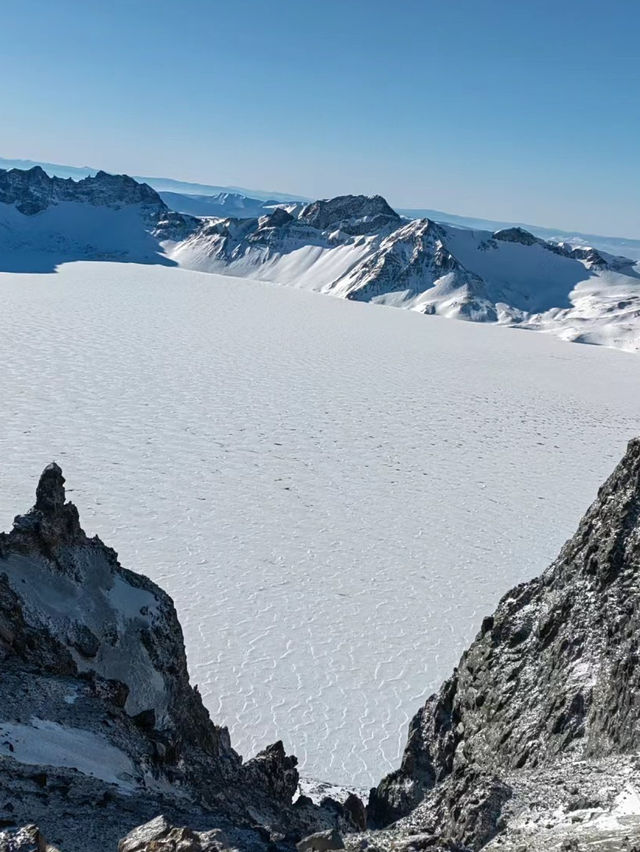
(334, 493)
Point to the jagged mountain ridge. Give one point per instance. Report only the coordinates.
(45, 221)
(626, 246)
(97, 711)
(372, 254)
(33, 191)
(353, 247)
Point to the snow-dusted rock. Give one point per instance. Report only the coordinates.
(546, 693)
(159, 835)
(97, 716)
(321, 841)
(25, 839)
(101, 619)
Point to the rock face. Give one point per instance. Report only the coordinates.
(33, 190)
(97, 715)
(98, 618)
(26, 839)
(353, 214)
(552, 678)
(159, 835)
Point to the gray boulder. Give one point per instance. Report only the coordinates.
(321, 841)
(159, 835)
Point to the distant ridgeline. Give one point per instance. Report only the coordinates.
(353, 247)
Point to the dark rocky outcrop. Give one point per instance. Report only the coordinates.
(34, 190)
(552, 675)
(321, 841)
(516, 235)
(116, 625)
(93, 668)
(352, 214)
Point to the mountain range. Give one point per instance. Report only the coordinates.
(160, 184)
(179, 195)
(352, 247)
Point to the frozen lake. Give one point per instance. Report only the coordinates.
(334, 493)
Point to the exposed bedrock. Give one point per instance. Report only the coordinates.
(552, 676)
(100, 729)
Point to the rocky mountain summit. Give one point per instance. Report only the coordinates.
(352, 214)
(32, 191)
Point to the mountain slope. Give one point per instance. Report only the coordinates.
(358, 248)
(45, 221)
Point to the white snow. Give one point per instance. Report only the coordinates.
(46, 743)
(70, 231)
(334, 493)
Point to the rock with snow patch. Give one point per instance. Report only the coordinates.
(159, 835)
(321, 841)
(553, 674)
(97, 715)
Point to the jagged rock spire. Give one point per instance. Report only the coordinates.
(51, 522)
(50, 494)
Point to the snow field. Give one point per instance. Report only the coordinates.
(334, 493)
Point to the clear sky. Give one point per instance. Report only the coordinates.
(522, 110)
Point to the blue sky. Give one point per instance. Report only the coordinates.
(524, 111)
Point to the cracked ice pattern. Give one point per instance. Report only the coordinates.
(333, 493)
